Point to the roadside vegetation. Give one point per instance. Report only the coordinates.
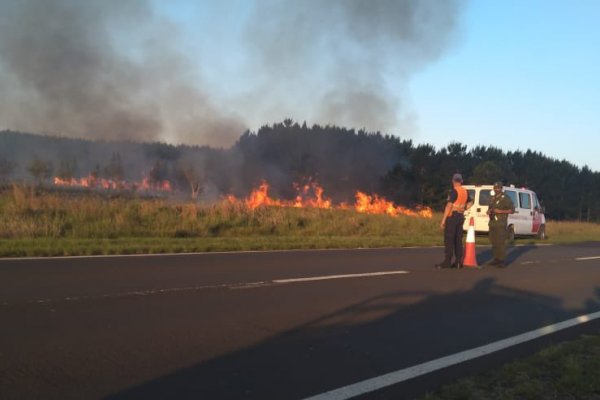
(85, 223)
(569, 370)
(63, 223)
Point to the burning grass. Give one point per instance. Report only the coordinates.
(311, 195)
(57, 223)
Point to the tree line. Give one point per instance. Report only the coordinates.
(341, 160)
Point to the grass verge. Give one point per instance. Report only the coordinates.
(47, 247)
(569, 370)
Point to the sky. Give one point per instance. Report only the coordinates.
(514, 74)
(524, 75)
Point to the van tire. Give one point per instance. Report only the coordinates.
(541, 234)
(511, 234)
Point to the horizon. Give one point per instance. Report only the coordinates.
(514, 76)
(354, 130)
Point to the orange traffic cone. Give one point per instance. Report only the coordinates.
(470, 259)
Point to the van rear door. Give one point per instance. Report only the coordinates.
(481, 203)
(524, 214)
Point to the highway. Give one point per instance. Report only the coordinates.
(276, 325)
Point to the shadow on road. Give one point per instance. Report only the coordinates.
(513, 253)
(307, 360)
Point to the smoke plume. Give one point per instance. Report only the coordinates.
(63, 71)
(347, 62)
(115, 69)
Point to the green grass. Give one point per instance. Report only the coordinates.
(569, 370)
(43, 247)
(572, 232)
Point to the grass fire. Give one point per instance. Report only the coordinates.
(94, 182)
(308, 195)
(311, 195)
(62, 221)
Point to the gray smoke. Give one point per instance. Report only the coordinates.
(62, 71)
(331, 61)
(112, 69)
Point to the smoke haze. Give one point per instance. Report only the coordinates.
(114, 69)
(61, 72)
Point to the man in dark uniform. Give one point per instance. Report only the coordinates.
(452, 223)
(500, 207)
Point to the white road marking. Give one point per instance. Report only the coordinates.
(405, 374)
(587, 258)
(233, 286)
(326, 277)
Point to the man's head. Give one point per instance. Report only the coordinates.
(498, 187)
(457, 178)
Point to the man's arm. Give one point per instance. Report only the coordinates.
(452, 195)
(447, 212)
(506, 208)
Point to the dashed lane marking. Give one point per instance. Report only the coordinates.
(326, 277)
(587, 258)
(405, 374)
(233, 286)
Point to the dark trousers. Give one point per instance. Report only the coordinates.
(498, 235)
(453, 235)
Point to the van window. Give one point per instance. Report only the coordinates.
(471, 194)
(484, 197)
(525, 199)
(513, 196)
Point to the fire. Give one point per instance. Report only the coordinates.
(161, 186)
(312, 195)
(94, 182)
(260, 197)
(308, 195)
(377, 205)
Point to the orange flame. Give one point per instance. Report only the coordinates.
(309, 195)
(312, 195)
(93, 182)
(377, 205)
(260, 197)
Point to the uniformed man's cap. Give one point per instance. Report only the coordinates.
(498, 185)
(457, 178)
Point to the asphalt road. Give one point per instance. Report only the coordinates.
(268, 325)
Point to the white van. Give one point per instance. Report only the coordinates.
(528, 219)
